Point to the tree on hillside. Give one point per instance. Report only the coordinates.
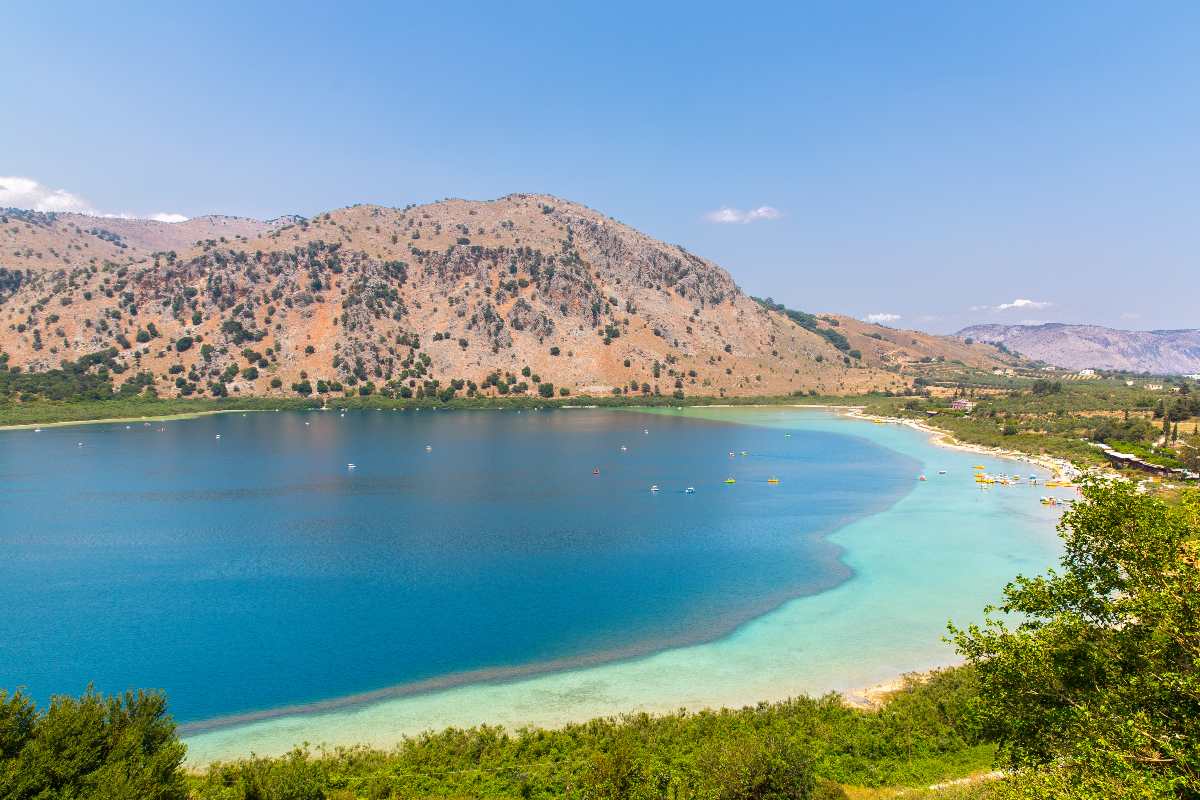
(1092, 689)
(1189, 452)
(117, 748)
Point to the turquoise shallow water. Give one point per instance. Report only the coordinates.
(931, 552)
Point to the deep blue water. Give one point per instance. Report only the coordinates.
(256, 571)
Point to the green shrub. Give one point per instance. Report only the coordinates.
(92, 747)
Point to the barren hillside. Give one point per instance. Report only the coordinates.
(526, 293)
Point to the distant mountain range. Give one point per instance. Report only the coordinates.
(1092, 346)
(526, 293)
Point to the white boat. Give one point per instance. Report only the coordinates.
(654, 487)
(351, 466)
(218, 436)
(690, 490)
(645, 430)
(79, 445)
(37, 430)
(428, 448)
(623, 448)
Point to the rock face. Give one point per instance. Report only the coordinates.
(527, 293)
(1091, 346)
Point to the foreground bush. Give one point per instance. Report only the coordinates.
(119, 748)
(1095, 693)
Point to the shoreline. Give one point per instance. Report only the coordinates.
(937, 436)
(501, 405)
(27, 426)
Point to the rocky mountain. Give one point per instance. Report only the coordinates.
(37, 240)
(1092, 346)
(526, 293)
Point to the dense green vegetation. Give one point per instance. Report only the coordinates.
(1095, 691)
(121, 748)
(1084, 678)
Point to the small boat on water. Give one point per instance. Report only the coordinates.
(690, 490)
(428, 448)
(941, 472)
(787, 436)
(654, 487)
(922, 478)
(980, 466)
(645, 430)
(623, 448)
(731, 454)
(772, 480)
(351, 466)
(745, 452)
(218, 436)
(37, 430)
(308, 423)
(596, 471)
(79, 445)
(730, 479)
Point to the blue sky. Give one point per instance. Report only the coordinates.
(930, 162)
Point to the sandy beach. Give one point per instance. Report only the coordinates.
(1059, 466)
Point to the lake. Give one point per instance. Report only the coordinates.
(256, 575)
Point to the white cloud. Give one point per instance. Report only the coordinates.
(726, 215)
(880, 319)
(1021, 302)
(27, 193)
